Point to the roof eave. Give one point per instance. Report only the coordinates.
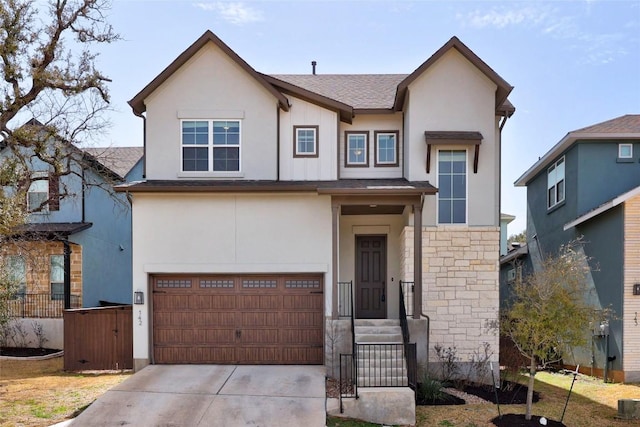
(562, 146)
(137, 102)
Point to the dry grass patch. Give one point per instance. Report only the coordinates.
(40, 393)
(592, 404)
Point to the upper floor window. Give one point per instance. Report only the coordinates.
(452, 186)
(625, 151)
(57, 277)
(357, 149)
(555, 183)
(42, 195)
(211, 145)
(305, 141)
(17, 272)
(386, 148)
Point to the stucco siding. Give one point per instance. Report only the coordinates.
(631, 304)
(211, 86)
(320, 168)
(200, 233)
(370, 124)
(453, 95)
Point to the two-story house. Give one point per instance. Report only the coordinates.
(75, 249)
(588, 185)
(267, 195)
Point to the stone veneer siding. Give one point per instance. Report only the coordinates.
(460, 286)
(38, 264)
(631, 303)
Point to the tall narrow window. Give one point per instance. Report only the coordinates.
(17, 272)
(57, 277)
(38, 193)
(210, 145)
(452, 186)
(356, 149)
(555, 184)
(386, 148)
(305, 141)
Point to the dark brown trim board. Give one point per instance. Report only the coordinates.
(316, 142)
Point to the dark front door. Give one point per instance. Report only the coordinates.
(371, 273)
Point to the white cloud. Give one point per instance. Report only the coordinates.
(503, 18)
(236, 13)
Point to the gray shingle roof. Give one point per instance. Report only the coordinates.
(118, 159)
(362, 91)
(629, 123)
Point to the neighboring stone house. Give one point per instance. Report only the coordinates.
(267, 195)
(588, 185)
(75, 249)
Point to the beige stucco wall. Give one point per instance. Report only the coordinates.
(453, 95)
(321, 168)
(460, 278)
(387, 225)
(631, 303)
(211, 86)
(370, 124)
(208, 233)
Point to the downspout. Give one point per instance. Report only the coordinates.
(84, 188)
(278, 143)
(67, 274)
(144, 142)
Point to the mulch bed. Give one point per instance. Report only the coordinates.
(517, 420)
(509, 394)
(26, 352)
(446, 399)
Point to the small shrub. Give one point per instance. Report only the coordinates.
(479, 369)
(21, 337)
(430, 389)
(448, 358)
(38, 331)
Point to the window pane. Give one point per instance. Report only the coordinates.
(459, 190)
(226, 159)
(459, 211)
(57, 291)
(306, 139)
(444, 211)
(357, 149)
(57, 268)
(226, 133)
(552, 196)
(560, 191)
(625, 151)
(195, 159)
(195, 132)
(387, 148)
(444, 189)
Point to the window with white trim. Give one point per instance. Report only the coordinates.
(38, 193)
(57, 277)
(386, 148)
(356, 149)
(17, 272)
(625, 151)
(306, 141)
(452, 186)
(555, 184)
(211, 145)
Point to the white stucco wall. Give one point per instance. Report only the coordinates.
(453, 95)
(321, 168)
(370, 124)
(390, 226)
(211, 86)
(209, 233)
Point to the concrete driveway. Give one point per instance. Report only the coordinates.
(213, 395)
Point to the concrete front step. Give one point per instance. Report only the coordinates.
(376, 322)
(389, 405)
(370, 330)
(379, 338)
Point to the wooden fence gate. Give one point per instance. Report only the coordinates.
(98, 339)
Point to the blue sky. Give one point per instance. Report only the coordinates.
(573, 63)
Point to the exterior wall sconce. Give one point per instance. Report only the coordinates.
(636, 289)
(138, 297)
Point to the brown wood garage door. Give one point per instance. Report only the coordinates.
(238, 319)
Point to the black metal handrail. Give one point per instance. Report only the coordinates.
(345, 299)
(40, 305)
(409, 349)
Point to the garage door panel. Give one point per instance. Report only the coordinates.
(265, 318)
(218, 319)
(259, 302)
(238, 319)
(213, 302)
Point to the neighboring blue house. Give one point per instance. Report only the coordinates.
(588, 185)
(81, 241)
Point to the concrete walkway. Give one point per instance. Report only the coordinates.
(213, 395)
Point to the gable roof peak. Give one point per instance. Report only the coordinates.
(137, 102)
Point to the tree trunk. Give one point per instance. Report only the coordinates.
(532, 377)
